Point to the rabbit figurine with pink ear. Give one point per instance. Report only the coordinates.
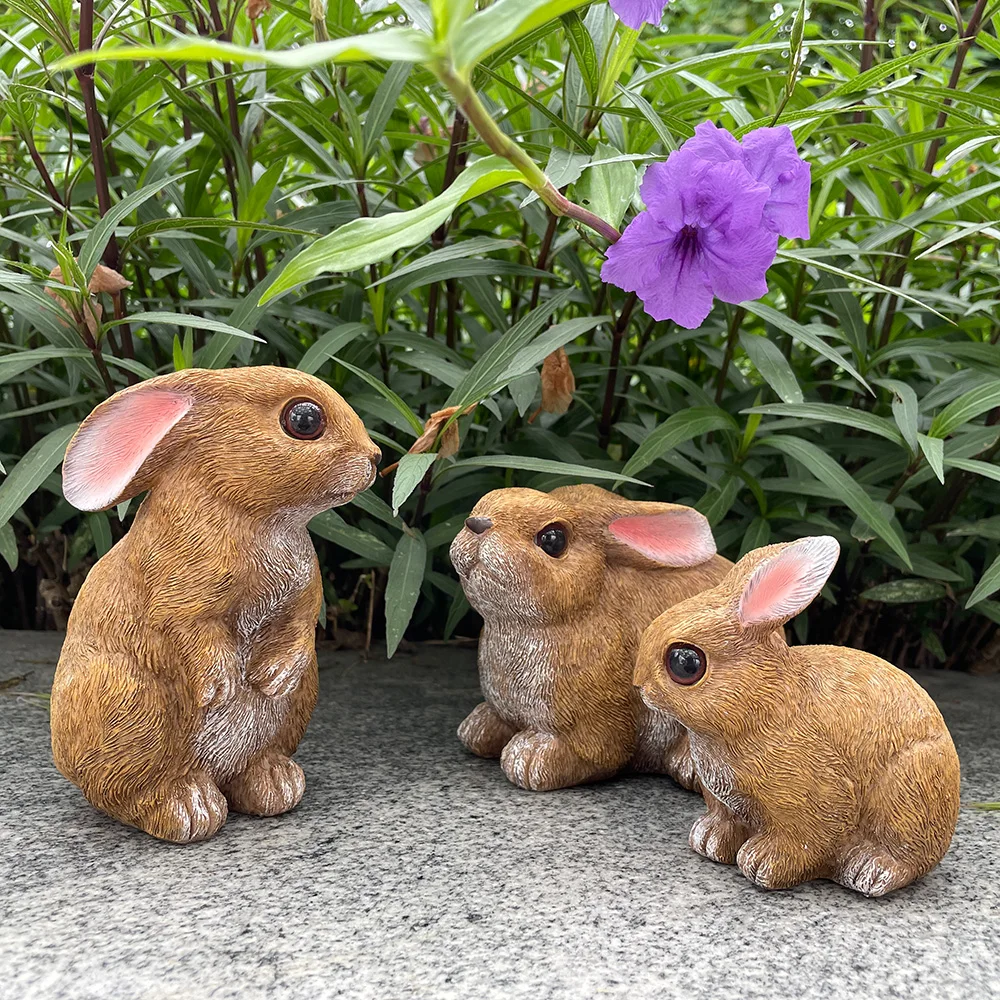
(814, 761)
(566, 581)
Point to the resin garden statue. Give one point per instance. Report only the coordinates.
(565, 582)
(814, 761)
(188, 674)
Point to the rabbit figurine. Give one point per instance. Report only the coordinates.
(188, 673)
(814, 761)
(565, 582)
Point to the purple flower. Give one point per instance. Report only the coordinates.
(636, 13)
(713, 214)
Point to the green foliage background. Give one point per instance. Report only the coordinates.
(860, 398)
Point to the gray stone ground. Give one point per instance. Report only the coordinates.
(414, 870)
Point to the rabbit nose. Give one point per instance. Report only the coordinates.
(477, 525)
(376, 457)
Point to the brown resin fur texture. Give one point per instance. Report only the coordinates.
(814, 761)
(188, 674)
(557, 650)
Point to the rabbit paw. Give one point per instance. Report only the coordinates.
(483, 732)
(281, 677)
(680, 766)
(770, 863)
(717, 837)
(273, 784)
(218, 686)
(541, 762)
(194, 809)
(873, 874)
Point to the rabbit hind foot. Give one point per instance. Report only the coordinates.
(273, 784)
(872, 872)
(484, 732)
(541, 762)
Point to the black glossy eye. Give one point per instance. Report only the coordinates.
(552, 539)
(685, 664)
(303, 419)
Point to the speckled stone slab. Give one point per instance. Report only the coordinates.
(414, 870)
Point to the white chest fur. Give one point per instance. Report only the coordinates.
(517, 675)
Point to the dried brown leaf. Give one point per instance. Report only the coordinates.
(558, 383)
(432, 428)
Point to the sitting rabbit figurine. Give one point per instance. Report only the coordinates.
(565, 582)
(814, 761)
(188, 674)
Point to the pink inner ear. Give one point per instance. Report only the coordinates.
(785, 584)
(677, 538)
(114, 441)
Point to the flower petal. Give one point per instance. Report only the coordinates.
(736, 261)
(772, 158)
(727, 197)
(681, 290)
(633, 261)
(636, 13)
(713, 143)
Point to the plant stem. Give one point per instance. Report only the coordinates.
(618, 334)
(734, 328)
(543, 258)
(501, 144)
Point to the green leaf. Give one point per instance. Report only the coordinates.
(967, 407)
(609, 186)
(383, 390)
(989, 583)
(97, 239)
(382, 105)
(334, 528)
(502, 23)
(388, 45)
(327, 346)
(410, 471)
(832, 414)
(370, 240)
(757, 535)
(681, 427)
(8, 545)
(406, 573)
(978, 468)
(842, 487)
(905, 591)
(933, 450)
(773, 366)
(100, 530)
(527, 464)
(905, 410)
(254, 206)
(33, 469)
(142, 319)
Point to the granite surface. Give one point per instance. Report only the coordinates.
(414, 870)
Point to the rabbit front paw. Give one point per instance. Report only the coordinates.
(541, 762)
(772, 862)
(717, 837)
(273, 784)
(483, 732)
(873, 874)
(217, 686)
(192, 810)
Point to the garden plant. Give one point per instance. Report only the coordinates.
(731, 254)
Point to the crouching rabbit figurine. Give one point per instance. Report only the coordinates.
(188, 674)
(565, 582)
(815, 761)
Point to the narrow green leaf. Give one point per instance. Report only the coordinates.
(369, 240)
(100, 530)
(527, 464)
(334, 528)
(933, 450)
(989, 583)
(967, 407)
(142, 319)
(33, 469)
(383, 390)
(905, 410)
(773, 367)
(681, 427)
(327, 346)
(832, 414)
(905, 591)
(609, 186)
(409, 472)
(8, 545)
(382, 105)
(984, 469)
(402, 588)
(842, 488)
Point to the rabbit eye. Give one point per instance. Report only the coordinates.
(552, 540)
(303, 419)
(685, 664)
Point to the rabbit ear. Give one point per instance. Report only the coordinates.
(786, 583)
(113, 442)
(678, 537)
